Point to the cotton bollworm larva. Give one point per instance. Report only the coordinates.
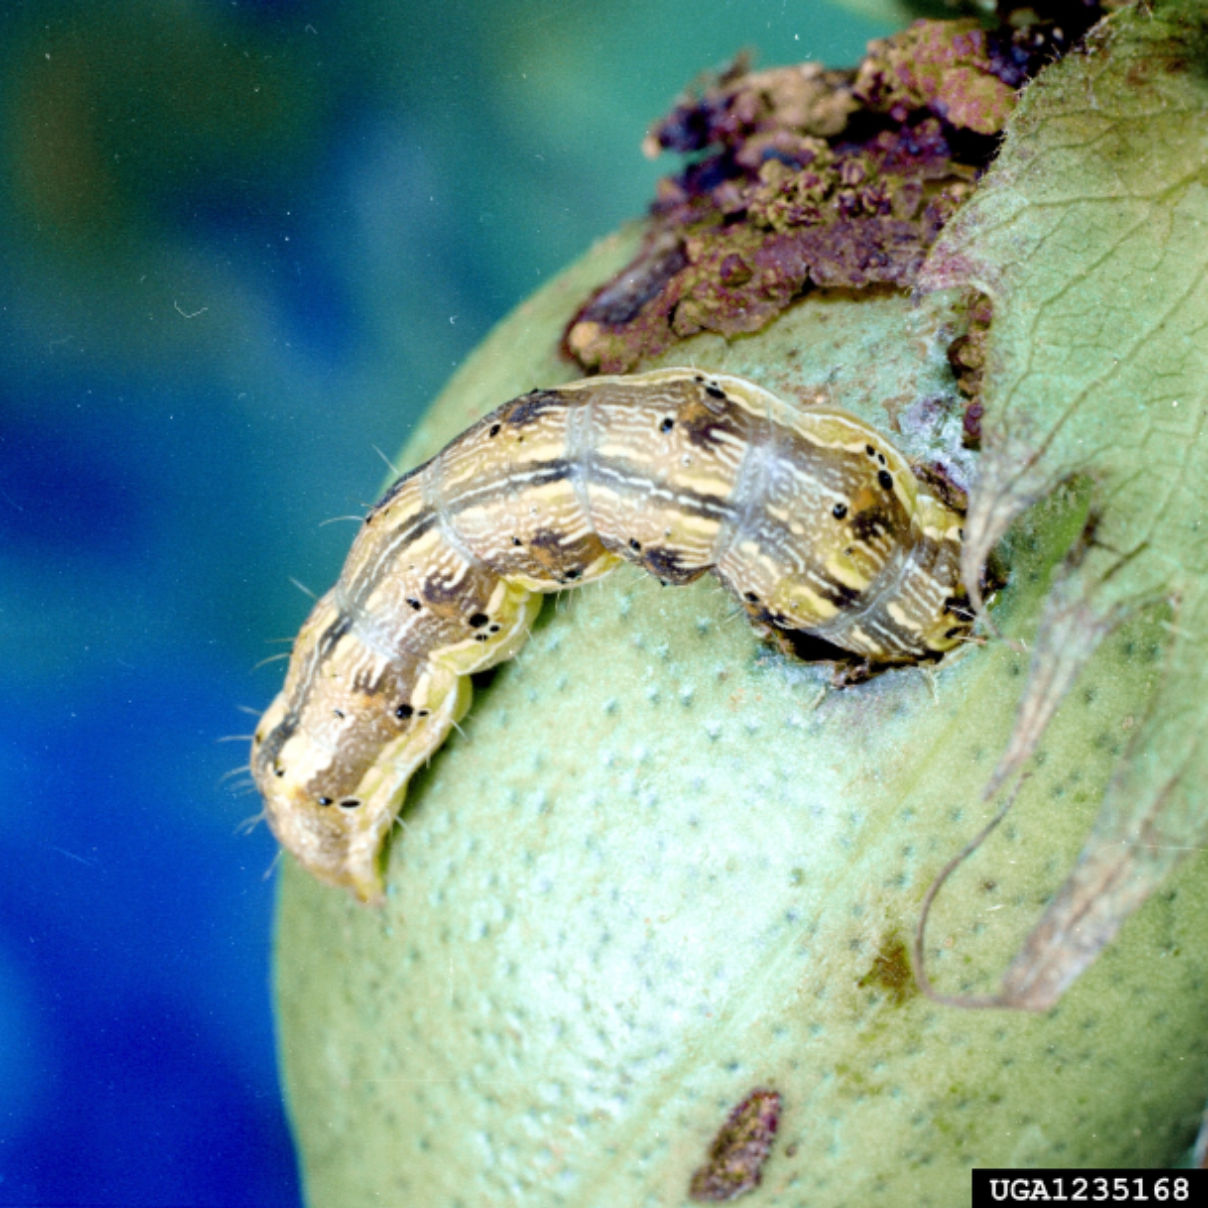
(814, 522)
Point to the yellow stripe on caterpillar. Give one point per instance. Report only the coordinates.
(807, 515)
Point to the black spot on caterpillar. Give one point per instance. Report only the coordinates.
(808, 516)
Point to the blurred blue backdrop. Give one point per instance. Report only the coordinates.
(241, 244)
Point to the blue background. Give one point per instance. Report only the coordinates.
(241, 245)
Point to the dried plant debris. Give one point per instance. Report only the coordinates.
(967, 360)
(738, 1152)
(1087, 237)
(806, 178)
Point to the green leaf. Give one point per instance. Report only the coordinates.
(1090, 235)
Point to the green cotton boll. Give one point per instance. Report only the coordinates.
(665, 873)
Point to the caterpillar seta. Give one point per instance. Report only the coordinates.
(814, 522)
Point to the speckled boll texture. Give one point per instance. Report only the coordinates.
(665, 866)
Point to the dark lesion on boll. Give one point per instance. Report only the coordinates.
(735, 1158)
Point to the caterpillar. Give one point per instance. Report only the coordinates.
(811, 519)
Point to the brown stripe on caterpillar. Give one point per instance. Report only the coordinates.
(807, 515)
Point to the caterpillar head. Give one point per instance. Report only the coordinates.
(330, 819)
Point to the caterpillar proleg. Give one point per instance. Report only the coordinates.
(814, 522)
